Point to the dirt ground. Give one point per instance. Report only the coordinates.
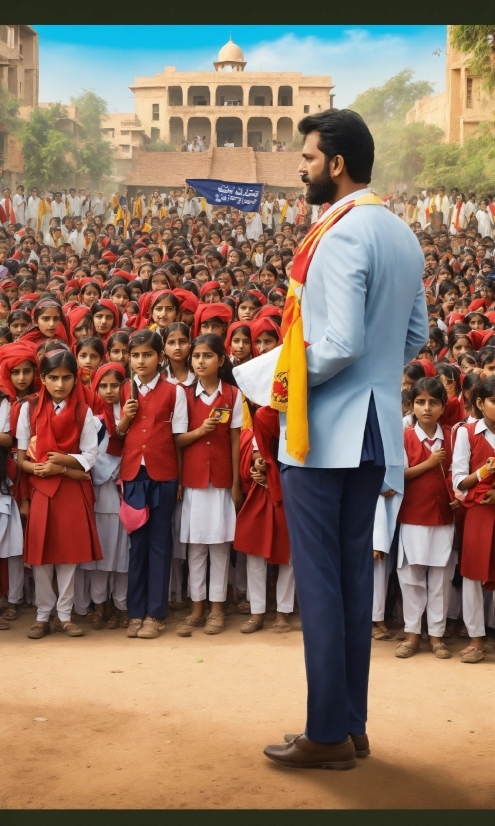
(182, 723)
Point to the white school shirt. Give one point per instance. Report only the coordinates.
(425, 544)
(88, 442)
(462, 452)
(187, 383)
(58, 210)
(19, 204)
(33, 208)
(180, 420)
(74, 205)
(76, 240)
(485, 223)
(236, 420)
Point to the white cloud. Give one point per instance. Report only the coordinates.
(357, 61)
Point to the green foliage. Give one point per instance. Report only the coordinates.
(470, 167)
(381, 105)
(474, 40)
(47, 151)
(398, 147)
(159, 146)
(9, 113)
(94, 153)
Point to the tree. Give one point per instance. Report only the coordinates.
(9, 113)
(382, 104)
(398, 147)
(479, 43)
(48, 152)
(94, 153)
(470, 167)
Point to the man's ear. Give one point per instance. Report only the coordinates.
(336, 166)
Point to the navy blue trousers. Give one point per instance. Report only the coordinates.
(330, 514)
(150, 554)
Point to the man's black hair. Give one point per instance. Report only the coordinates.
(343, 132)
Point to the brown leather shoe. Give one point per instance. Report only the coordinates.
(302, 753)
(361, 743)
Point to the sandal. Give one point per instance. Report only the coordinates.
(10, 613)
(244, 607)
(449, 630)
(215, 623)
(4, 625)
(177, 605)
(441, 651)
(252, 625)
(281, 626)
(406, 649)
(184, 628)
(463, 633)
(472, 654)
(381, 632)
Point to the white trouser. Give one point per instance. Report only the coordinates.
(425, 586)
(219, 571)
(489, 603)
(473, 607)
(16, 579)
(98, 586)
(176, 578)
(381, 574)
(46, 598)
(256, 585)
(238, 574)
(82, 596)
(455, 603)
(118, 589)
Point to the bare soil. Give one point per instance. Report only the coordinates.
(182, 723)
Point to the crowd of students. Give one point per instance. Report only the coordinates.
(135, 477)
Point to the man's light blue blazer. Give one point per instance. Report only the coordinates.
(364, 316)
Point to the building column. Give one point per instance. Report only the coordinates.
(244, 120)
(213, 134)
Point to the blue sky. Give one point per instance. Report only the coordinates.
(106, 59)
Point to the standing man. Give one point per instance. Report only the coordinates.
(19, 204)
(363, 317)
(33, 206)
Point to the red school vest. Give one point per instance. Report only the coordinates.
(67, 436)
(427, 498)
(150, 434)
(208, 459)
(481, 450)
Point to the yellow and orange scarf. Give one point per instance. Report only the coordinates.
(290, 381)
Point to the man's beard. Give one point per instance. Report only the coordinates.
(321, 190)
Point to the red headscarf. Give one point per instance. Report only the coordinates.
(209, 311)
(208, 287)
(428, 367)
(109, 305)
(232, 328)
(33, 332)
(256, 293)
(487, 334)
(476, 337)
(107, 409)
(11, 356)
(141, 320)
(269, 312)
(264, 325)
(187, 300)
(123, 274)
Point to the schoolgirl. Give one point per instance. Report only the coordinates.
(89, 293)
(80, 323)
(108, 575)
(18, 321)
(472, 471)
(177, 346)
(188, 305)
(238, 342)
(120, 294)
(265, 334)
(477, 321)
(106, 318)
(57, 446)
(151, 420)
(261, 529)
(426, 559)
(212, 319)
(118, 349)
(90, 352)
(250, 302)
(210, 479)
(48, 322)
(164, 309)
(211, 292)
(387, 509)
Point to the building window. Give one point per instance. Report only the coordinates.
(10, 37)
(124, 132)
(199, 101)
(469, 93)
(259, 101)
(306, 110)
(156, 111)
(155, 133)
(125, 147)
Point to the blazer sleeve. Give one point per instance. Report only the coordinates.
(418, 330)
(346, 267)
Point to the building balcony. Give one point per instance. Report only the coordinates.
(232, 111)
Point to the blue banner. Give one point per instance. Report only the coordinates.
(246, 197)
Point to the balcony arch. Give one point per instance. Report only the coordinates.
(176, 131)
(175, 96)
(229, 130)
(200, 127)
(198, 96)
(285, 96)
(229, 96)
(260, 130)
(261, 96)
(285, 130)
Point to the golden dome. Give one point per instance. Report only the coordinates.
(230, 53)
